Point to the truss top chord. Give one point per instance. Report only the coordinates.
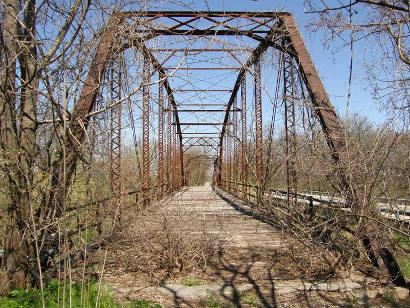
(205, 104)
(200, 133)
(204, 110)
(200, 49)
(201, 14)
(197, 137)
(202, 68)
(200, 123)
(202, 90)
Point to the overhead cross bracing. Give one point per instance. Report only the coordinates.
(216, 70)
(244, 77)
(255, 72)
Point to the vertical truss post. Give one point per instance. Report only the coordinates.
(115, 131)
(169, 147)
(235, 146)
(181, 165)
(229, 157)
(258, 127)
(222, 162)
(174, 155)
(177, 164)
(219, 167)
(290, 128)
(225, 154)
(160, 178)
(145, 131)
(244, 151)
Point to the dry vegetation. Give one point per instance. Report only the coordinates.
(60, 219)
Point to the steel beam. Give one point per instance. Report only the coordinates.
(145, 131)
(258, 126)
(206, 137)
(196, 50)
(203, 68)
(174, 157)
(207, 110)
(205, 32)
(158, 67)
(202, 105)
(160, 177)
(290, 128)
(324, 110)
(244, 149)
(107, 48)
(200, 123)
(202, 90)
(272, 36)
(235, 146)
(115, 127)
(201, 133)
(225, 14)
(169, 149)
(229, 144)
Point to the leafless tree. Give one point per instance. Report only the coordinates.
(32, 57)
(383, 25)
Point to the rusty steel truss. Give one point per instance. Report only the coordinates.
(115, 82)
(290, 128)
(137, 30)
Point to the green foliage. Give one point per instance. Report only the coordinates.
(196, 169)
(143, 304)
(403, 240)
(190, 282)
(89, 235)
(404, 263)
(250, 299)
(403, 259)
(81, 296)
(213, 300)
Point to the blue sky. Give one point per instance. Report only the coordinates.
(333, 67)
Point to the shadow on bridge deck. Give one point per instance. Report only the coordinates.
(233, 259)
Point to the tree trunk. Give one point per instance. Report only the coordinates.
(18, 139)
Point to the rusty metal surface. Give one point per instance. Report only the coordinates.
(169, 149)
(174, 156)
(258, 125)
(290, 128)
(235, 146)
(202, 14)
(269, 30)
(254, 57)
(145, 131)
(195, 50)
(115, 126)
(158, 67)
(229, 156)
(244, 139)
(160, 176)
(331, 124)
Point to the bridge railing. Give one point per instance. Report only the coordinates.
(395, 209)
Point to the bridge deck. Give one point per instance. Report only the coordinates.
(218, 216)
(207, 235)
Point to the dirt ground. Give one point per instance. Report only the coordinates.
(202, 248)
